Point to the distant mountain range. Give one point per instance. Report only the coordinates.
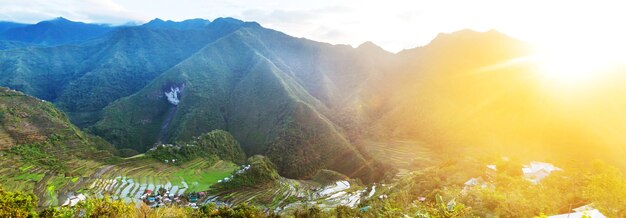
(304, 104)
(52, 32)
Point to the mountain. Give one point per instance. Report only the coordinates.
(9, 25)
(183, 25)
(178, 106)
(39, 146)
(34, 132)
(478, 91)
(83, 79)
(276, 94)
(44, 154)
(4, 45)
(53, 32)
(28, 120)
(306, 105)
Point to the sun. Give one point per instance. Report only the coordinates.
(575, 64)
(568, 67)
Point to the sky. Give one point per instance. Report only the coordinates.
(392, 24)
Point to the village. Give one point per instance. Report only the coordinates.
(341, 192)
(534, 172)
(163, 198)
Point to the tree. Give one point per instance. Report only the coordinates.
(309, 212)
(607, 190)
(345, 212)
(447, 210)
(17, 204)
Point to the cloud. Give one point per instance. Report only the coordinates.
(392, 24)
(339, 22)
(100, 11)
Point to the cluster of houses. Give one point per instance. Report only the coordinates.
(163, 198)
(168, 146)
(243, 169)
(586, 211)
(173, 161)
(534, 173)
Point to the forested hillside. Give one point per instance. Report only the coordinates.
(309, 105)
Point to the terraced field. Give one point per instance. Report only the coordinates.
(129, 180)
(404, 155)
(286, 194)
(51, 187)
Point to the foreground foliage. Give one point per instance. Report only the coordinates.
(17, 204)
(431, 192)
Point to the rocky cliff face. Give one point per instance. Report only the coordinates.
(173, 94)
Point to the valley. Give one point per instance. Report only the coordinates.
(200, 118)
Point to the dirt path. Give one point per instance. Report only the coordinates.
(101, 171)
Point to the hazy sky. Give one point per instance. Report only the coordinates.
(393, 24)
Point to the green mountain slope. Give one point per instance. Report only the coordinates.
(41, 151)
(44, 154)
(83, 79)
(249, 84)
(214, 145)
(35, 132)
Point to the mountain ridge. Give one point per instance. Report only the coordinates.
(261, 85)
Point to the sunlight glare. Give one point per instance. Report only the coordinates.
(575, 64)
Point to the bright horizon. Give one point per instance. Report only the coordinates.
(394, 25)
(572, 41)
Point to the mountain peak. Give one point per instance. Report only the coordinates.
(158, 23)
(156, 20)
(55, 32)
(466, 34)
(368, 45)
(371, 47)
(61, 20)
(227, 20)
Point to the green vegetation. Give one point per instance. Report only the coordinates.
(314, 111)
(253, 84)
(432, 192)
(17, 204)
(115, 208)
(201, 179)
(42, 152)
(135, 176)
(510, 196)
(42, 135)
(222, 144)
(35, 154)
(98, 207)
(29, 177)
(261, 171)
(328, 177)
(84, 78)
(215, 145)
